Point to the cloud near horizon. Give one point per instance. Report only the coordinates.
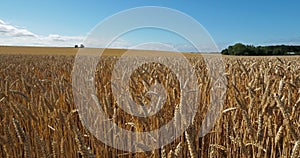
(12, 35)
(15, 36)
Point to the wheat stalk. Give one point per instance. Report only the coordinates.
(295, 152)
(189, 138)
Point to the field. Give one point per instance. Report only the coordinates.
(38, 117)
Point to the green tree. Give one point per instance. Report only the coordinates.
(241, 49)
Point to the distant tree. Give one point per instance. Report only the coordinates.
(76, 46)
(241, 49)
(277, 51)
(260, 51)
(251, 50)
(225, 52)
(81, 46)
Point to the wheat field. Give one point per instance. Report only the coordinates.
(260, 117)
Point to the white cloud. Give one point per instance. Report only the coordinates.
(42, 40)
(12, 31)
(58, 40)
(13, 35)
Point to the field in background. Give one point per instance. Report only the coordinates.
(15, 50)
(38, 117)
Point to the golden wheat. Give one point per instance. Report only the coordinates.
(260, 117)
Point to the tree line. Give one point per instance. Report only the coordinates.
(241, 49)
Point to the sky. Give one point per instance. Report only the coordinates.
(66, 23)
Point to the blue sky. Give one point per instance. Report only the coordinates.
(66, 22)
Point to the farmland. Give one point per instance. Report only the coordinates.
(38, 117)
